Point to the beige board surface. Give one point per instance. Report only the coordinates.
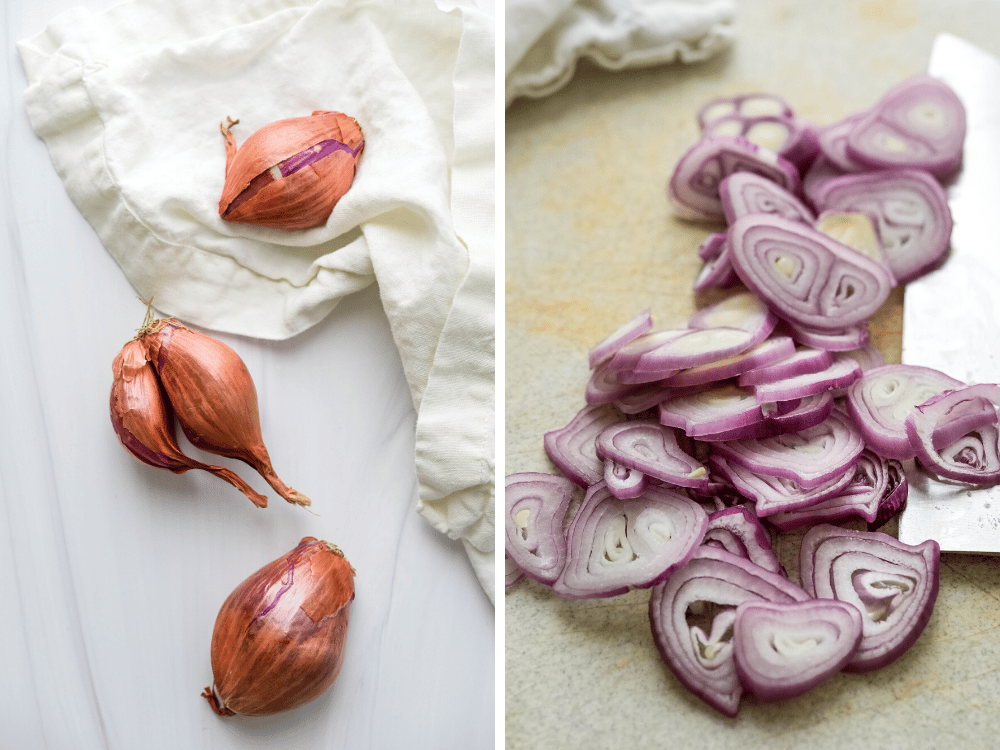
(590, 242)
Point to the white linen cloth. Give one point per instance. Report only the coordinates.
(129, 103)
(544, 39)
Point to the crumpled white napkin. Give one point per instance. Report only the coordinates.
(544, 39)
(120, 100)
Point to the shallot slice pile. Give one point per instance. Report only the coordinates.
(770, 411)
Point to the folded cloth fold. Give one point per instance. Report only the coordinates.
(545, 38)
(119, 99)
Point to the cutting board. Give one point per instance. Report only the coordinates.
(590, 242)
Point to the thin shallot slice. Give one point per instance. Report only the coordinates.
(536, 505)
(802, 361)
(784, 649)
(792, 138)
(919, 123)
(691, 615)
(894, 585)
(711, 410)
(880, 401)
(909, 209)
(738, 530)
(842, 340)
(768, 352)
(744, 105)
(806, 277)
(779, 418)
(651, 448)
(741, 310)
(956, 436)
(838, 374)
(623, 482)
(696, 347)
(616, 545)
(877, 490)
(694, 186)
(606, 348)
(745, 193)
(774, 495)
(573, 448)
(809, 457)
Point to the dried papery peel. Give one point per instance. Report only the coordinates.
(291, 173)
(144, 420)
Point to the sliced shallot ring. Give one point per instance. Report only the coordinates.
(512, 573)
(738, 530)
(784, 649)
(536, 505)
(711, 410)
(623, 482)
(708, 589)
(694, 186)
(909, 209)
(894, 585)
(919, 123)
(741, 310)
(697, 347)
(974, 458)
(767, 352)
(606, 348)
(772, 495)
(743, 105)
(880, 401)
(833, 144)
(716, 273)
(651, 448)
(645, 397)
(839, 374)
(845, 339)
(809, 457)
(745, 193)
(778, 419)
(712, 246)
(792, 138)
(800, 362)
(616, 545)
(806, 277)
(628, 355)
(573, 448)
(605, 386)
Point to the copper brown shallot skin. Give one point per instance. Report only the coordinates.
(278, 641)
(144, 421)
(213, 396)
(304, 198)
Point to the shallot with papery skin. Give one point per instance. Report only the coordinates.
(291, 173)
(144, 421)
(278, 641)
(213, 396)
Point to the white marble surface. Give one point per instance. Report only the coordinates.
(112, 572)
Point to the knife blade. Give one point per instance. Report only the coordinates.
(951, 316)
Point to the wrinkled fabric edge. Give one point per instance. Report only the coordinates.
(716, 33)
(455, 424)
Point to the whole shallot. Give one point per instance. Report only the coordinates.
(291, 173)
(213, 395)
(278, 640)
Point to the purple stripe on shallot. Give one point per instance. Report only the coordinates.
(919, 123)
(784, 649)
(694, 186)
(695, 347)
(956, 434)
(622, 481)
(616, 545)
(651, 448)
(910, 211)
(805, 276)
(809, 457)
(779, 418)
(738, 530)
(881, 400)
(536, 505)
(894, 585)
(573, 448)
(691, 615)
